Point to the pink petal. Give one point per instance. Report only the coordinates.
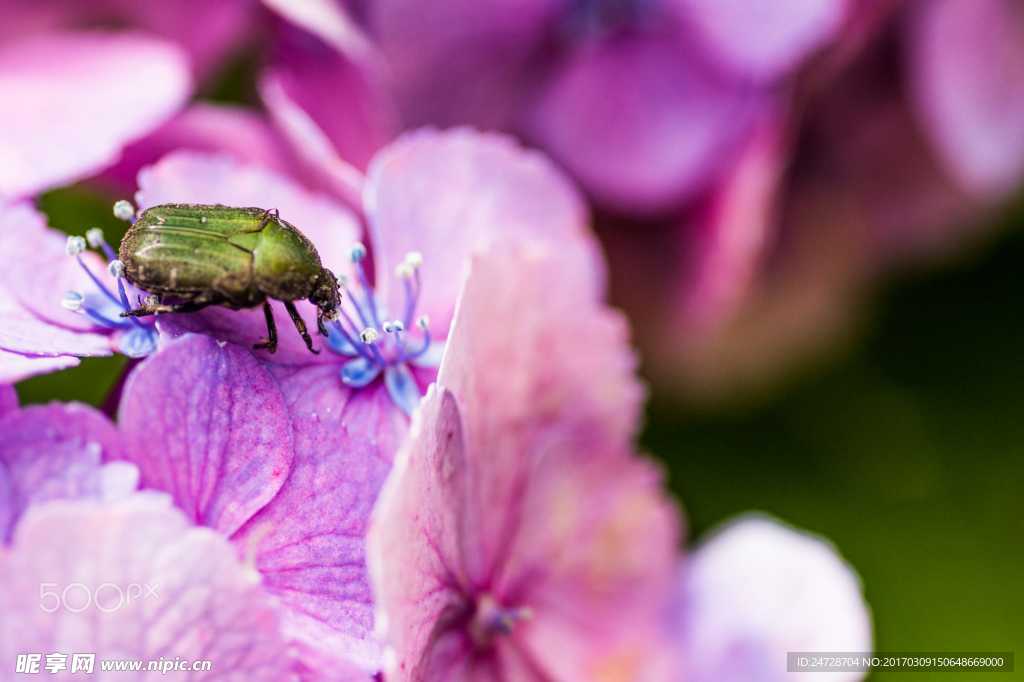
(763, 40)
(640, 123)
(37, 271)
(531, 493)
(424, 523)
(446, 194)
(81, 98)
(759, 589)
(238, 132)
(55, 452)
(208, 424)
(327, 67)
(14, 366)
(726, 239)
(967, 69)
(308, 543)
(156, 587)
(321, 164)
(216, 179)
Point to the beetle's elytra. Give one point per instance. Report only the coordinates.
(189, 256)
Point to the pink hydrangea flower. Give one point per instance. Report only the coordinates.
(535, 545)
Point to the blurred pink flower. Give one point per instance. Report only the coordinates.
(75, 99)
(640, 100)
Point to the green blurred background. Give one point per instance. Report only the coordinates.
(906, 451)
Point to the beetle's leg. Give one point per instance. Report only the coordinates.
(300, 324)
(320, 326)
(270, 343)
(145, 309)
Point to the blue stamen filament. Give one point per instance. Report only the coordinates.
(381, 345)
(142, 335)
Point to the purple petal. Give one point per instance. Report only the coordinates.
(402, 387)
(466, 62)
(8, 399)
(967, 69)
(308, 543)
(445, 194)
(640, 123)
(157, 588)
(759, 589)
(763, 40)
(359, 372)
(55, 452)
(81, 98)
(208, 424)
(37, 271)
(14, 366)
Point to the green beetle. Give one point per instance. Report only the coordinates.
(190, 256)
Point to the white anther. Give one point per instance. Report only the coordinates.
(75, 245)
(358, 252)
(123, 210)
(116, 268)
(404, 270)
(423, 322)
(388, 327)
(393, 326)
(72, 301)
(414, 259)
(94, 236)
(369, 335)
(151, 301)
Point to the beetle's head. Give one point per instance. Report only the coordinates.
(326, 298)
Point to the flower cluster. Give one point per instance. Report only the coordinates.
(452, 490)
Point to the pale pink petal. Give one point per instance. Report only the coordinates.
(423, 523)
(725, 239)
(596, 544)
(308, 543)
(132, 579)
(14, 366)
(198, 178)
(37, 271)
(640, 123)
(327, 20)
(757, 590)
(445, 194)
(760, 39)
(207, 423)
(533, 342)
(967, 79)
(21, 332)
(77, 99)
(56, 452)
